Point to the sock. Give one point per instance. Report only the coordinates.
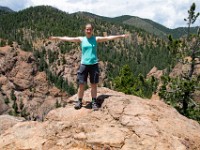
(80, 99)
(94, 100)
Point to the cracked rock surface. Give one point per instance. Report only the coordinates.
(123, 122)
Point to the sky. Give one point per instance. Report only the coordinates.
(170, 13)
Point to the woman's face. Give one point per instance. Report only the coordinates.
(88, 30)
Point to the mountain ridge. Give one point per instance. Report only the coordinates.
(141, 23)
(145, 24)
(6, 9)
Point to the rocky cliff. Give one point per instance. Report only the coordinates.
(123, 122)
(19, 75)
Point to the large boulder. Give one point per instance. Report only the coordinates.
(22, 75)
(7, 59)
(8, 121)
(123, 122)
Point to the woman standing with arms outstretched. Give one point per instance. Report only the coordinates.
(89, 61)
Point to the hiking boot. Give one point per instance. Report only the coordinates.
(78, 105)
(95, 106)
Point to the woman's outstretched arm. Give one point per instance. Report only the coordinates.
(111, 37)
(66, 38)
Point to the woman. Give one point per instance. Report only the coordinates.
(89, 61)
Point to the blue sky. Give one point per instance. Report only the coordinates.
(170, 13)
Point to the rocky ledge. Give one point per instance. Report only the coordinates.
(123, 122)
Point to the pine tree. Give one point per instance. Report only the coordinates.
(6, 100)
(15, 107)
(137, 85)
(191, 17)
(179, 91)
(21, 105)
(2, 43)
(12, 95)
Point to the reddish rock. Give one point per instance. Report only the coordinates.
(7, 122)
(123, 122)
(22, 76)
(155, 72)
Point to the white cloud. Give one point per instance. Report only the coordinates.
(169, 13)
(15, 5)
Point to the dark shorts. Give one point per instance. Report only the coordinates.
(85, 70)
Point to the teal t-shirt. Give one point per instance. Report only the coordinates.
(89, 51)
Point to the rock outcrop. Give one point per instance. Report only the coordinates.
(124, 122)
(19, 74)
(155, 72)
(181, 69)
